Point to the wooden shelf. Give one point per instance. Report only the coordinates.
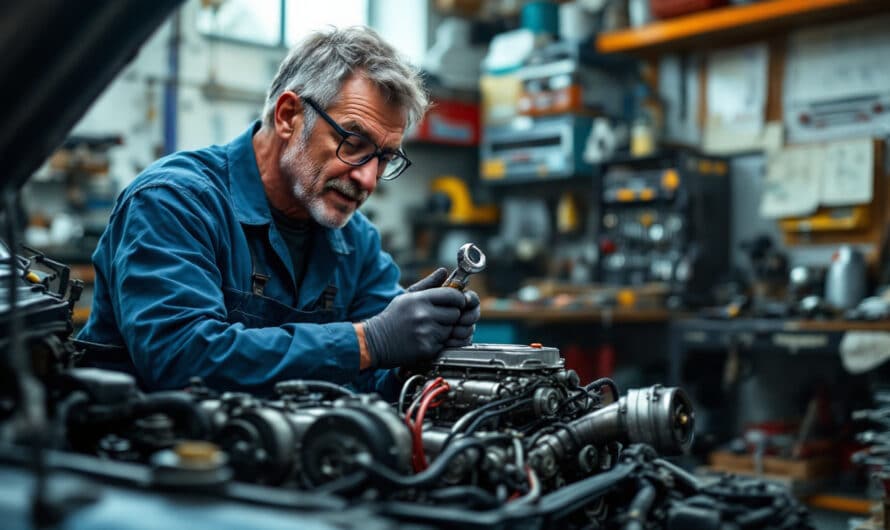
(550, 315)
(732, 24)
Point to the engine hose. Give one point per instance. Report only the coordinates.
(534, 491)
(427, 477)
(582, 392)
(570, 498)
(640, 505)
(550, 509)
(180, 407)
(495, 413)
(343, 484)
(301, 386)
(685, 477)
(604, 381)
(552, 428)
(404, 392)
(467, 418)
(464, 495)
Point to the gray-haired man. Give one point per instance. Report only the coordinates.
(247, 263)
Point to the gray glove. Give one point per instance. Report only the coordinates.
(416, 325)
(462, 334)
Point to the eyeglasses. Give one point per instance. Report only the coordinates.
(357, 149)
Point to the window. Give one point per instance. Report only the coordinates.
(303, 16)
(278, 22)
(254, 21)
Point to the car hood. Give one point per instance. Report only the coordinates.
(58, 56)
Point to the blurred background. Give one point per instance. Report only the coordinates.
(691, 192)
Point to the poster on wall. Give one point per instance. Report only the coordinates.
(736, 83)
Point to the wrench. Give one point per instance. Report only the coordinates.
(470, 260)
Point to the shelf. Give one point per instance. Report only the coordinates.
(551, 315)
(734, 23)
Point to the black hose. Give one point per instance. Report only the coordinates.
(404, 392)
(604, 381)
(681, 474)
(178, 406)
(757, 518)
(582, 392)
(465, 496)
(534, 491)
(554, 427)
(301, 386)
(495, 413)
(640, 505)
(568, 499)
(549, 510)
(466, 418)
(425, 478)
(343, 484)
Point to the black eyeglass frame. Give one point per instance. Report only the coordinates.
(345, 135)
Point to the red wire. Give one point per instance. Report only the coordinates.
(425, 401)
(531, 484)
(420, 457)
(436, 382)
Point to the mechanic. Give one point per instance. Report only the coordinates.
(248, 263)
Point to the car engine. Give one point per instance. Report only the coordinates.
(488, 435)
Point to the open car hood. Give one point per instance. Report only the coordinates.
(58, 56)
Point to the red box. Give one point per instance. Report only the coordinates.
(448, 122)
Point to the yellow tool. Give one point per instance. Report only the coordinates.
(462, 209)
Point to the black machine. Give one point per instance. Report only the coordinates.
(665, 219)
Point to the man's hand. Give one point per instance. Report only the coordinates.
(462, 334)
(416, 325)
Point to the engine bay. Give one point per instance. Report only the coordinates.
(487, 435)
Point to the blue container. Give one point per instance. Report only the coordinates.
(541, 18)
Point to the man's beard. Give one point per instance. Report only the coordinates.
(305, 174)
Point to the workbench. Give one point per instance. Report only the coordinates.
(779, 336)
(672, 336)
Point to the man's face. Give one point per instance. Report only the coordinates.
(327, 188)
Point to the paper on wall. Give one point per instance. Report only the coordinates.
(837, 81)
(792, 182)
(841, 61)
(849, 169)
(736, 98)
(799, 179)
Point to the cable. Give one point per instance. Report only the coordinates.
(301, 386)
(555, 426)
(639, 507)
(534, 489)
(467, 418)
(690, 480)
(604, 381)
(342, 484)
(422, 402)
(488, 415)
(404, 393)
(420, 462)
(425, 478)
(520, 455)
(420, 397)
(582, 392)
(465, 496)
